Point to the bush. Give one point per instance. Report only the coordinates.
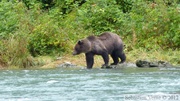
(155, 25)
(13, 41)
(147, 24)
(47, 38)
(101, 15)
(8, 19)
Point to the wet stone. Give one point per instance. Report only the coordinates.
(119, 66)
(66, 65)
(150, 64)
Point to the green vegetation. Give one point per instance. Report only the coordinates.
(31, 28)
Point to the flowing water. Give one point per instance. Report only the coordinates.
(123, 84)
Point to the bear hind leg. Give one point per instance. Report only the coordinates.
(122, 56)
(114, 56)
(105, 58)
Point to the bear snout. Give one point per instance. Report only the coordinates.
(74, 53)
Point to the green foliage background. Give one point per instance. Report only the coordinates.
(45, 27)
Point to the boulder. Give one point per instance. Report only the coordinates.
(150, 64)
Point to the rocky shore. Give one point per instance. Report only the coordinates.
(138, 64)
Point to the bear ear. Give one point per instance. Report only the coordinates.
(80, 42)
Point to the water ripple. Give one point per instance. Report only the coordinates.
(83, 84)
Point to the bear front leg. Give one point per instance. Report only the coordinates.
(105, 58)
(89, 60)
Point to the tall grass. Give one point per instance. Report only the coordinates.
(170, 55)
(15, 52)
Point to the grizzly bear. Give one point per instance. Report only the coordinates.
(105, 44)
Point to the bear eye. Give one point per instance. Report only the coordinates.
(80, 42)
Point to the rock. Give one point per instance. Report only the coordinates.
(142, 63)
(139, 63)
(58, 58)
(66, 64)
(145, 63)
(120, 65)
(164, 64)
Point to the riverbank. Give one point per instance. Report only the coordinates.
(170, 56)
(45, 62)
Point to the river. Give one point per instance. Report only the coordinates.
(70, 84)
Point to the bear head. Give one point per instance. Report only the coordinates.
(82, 46)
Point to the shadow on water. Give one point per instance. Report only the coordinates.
(84, 84)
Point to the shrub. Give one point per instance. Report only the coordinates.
(8, 19)
(149, 24)
(155, 25)
(47, 38)
(101, 15)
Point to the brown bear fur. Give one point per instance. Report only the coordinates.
(105, 44)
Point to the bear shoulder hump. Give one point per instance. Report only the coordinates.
(91, 38)
(105, 35)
